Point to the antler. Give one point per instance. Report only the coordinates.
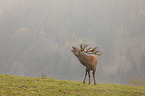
(83, 47)
(90, 50)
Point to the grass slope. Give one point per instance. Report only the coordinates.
(26, 86)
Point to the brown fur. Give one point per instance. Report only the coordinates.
(89, 61)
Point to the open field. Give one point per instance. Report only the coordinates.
(21, 86)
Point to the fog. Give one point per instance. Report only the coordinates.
(36, 37)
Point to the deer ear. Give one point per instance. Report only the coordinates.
(79, 51)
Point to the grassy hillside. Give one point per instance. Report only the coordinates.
(17, 86)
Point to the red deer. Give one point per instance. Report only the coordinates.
(89, 61)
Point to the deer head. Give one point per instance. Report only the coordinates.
(76, 51)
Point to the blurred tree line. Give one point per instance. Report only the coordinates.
(36, 38)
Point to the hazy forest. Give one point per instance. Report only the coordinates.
(36, 37)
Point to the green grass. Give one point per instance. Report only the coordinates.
(26, 86)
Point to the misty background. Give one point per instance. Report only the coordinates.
(36, 37)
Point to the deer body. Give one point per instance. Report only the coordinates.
(89, 61)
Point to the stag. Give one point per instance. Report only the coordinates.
(89, 61)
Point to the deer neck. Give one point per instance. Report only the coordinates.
(82, 57)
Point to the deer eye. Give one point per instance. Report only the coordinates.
(79, 51)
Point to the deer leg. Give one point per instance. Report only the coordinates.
(94, 76)
(89, 76)
(85, 76)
